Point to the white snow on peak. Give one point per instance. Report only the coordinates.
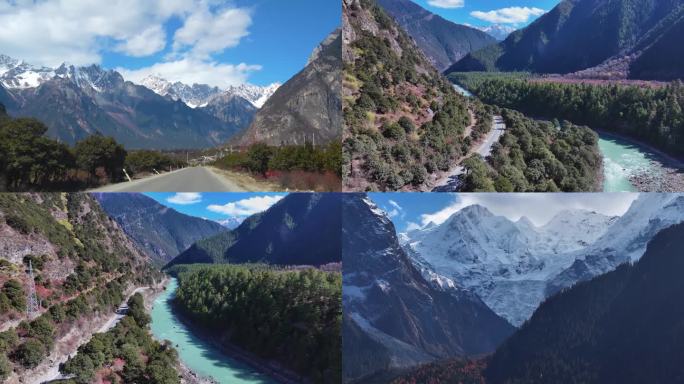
(199, 95)
(16, 74)
(506, 263)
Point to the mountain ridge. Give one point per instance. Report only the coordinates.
(77, 102)
(441, 40)
(395, 318)
(161, 231)
(583, 35)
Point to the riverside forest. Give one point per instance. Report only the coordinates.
(83, 298)
(610, 127)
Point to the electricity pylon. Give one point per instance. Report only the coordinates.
(32, 309)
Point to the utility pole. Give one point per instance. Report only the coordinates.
(32, 309)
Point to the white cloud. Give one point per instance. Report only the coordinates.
(205, 33)
(77, 31)
(191, 71)
(511, 15)
(80, 31)
(538, 207)
(446, 3)
(148, 42)
(395, 211)
(185, 198)
(246, 207)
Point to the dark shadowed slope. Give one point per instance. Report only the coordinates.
(301, 229)
(161, 231)
(442, 41)
(576, 35)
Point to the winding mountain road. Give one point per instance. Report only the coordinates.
(451, 181)
(52, 373)
(192, 179)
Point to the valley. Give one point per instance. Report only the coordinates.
(99, 331)
(634, 113)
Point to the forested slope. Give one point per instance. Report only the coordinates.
(403, 120)
(83, 265)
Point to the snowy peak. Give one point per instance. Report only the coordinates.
(16, 74)
(253, 93)
(200, 95)
(506, 263)
(497, 31)
(197, 95)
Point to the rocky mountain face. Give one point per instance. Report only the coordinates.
(308, 107)
(442, 41)
(161, 231)
(76, 102)
(300, 229)
(625, 326)
(629, 36)
(394, 317)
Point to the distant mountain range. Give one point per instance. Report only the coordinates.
(442, 41)
(300, 229)
(159, 230)
(396, 317)
(201, 95)
(613, 38)
(308, 107)
(76, 102)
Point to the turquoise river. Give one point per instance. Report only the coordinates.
(622, 159)
(199, 356)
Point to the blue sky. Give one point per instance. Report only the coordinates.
(514, 13)
(218, 42)
(217, 206)
(413, 210)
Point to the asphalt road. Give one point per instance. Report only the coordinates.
(451, 183)
(193, 179)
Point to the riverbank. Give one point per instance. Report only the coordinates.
(271, 369)
(660, 172)
(188, 376)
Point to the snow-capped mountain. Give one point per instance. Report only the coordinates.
(498, 31)
(194, 96)
(625, 241)
(254, 94)
(19, 75)
(394, 317)
(507, 264)
(231, 222)
(200, 95)
(77, 102)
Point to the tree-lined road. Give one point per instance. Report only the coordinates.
(451, 181)
(193, 179)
